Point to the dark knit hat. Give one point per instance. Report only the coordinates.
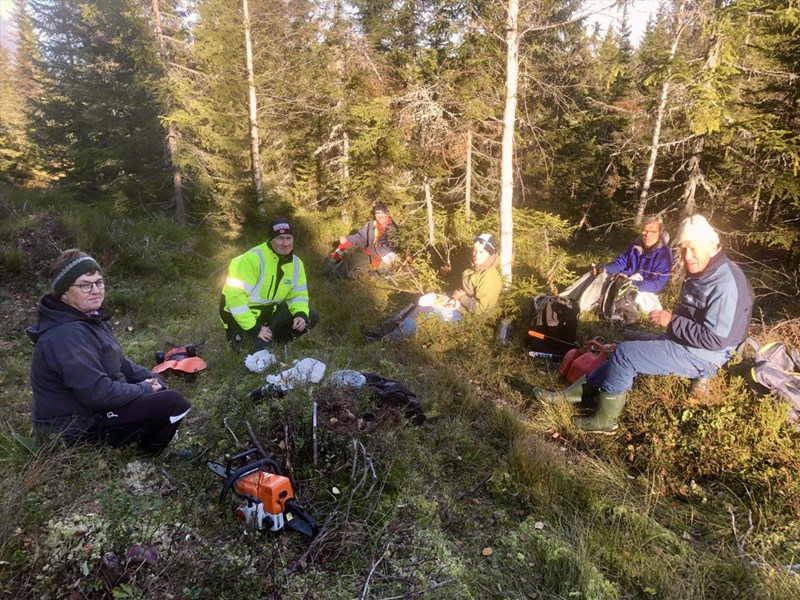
(279, 227)
(489, 242)
(380, 207)
(66, 276)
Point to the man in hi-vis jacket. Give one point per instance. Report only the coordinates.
(265, 297)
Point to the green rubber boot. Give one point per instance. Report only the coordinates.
(572, 395)
(604, 419)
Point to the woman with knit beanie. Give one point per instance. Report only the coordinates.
(84, 389)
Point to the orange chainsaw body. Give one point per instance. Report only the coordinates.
(268, 488)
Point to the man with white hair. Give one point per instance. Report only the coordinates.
(709, 322)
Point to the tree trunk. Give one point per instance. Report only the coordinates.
(426, 186)
(662, 107)
(756, 212)
(345, 158)
(507, 160)
(468, 179)
(255, 152)
(172, 130)
(693, 176)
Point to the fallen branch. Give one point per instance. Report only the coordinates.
(431, 587)
(298, 562)
(475, 487)
(253, 438)
(741, 540)
(365, 589)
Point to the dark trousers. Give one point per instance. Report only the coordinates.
(151, 420)
(277, 318)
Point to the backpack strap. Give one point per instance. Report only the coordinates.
(753, 344)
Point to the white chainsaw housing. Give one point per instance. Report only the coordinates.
(253, 514)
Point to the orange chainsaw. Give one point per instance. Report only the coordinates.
(265, 499)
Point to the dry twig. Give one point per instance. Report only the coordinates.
(741, 540)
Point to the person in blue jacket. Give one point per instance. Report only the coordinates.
(84, 388)
(708, 324)
(646, 264)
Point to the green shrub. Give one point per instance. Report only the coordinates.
(741, 441)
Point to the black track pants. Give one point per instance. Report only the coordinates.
(151, 420)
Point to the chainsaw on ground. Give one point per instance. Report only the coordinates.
(265, 497)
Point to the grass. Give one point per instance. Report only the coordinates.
(494, 497)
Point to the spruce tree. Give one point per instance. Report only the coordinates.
(97, 120)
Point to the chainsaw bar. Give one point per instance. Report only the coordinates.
(218, 468)
(300, 520)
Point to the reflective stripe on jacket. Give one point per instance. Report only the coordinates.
(261, 278)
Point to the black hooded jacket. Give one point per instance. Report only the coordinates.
(78, 370)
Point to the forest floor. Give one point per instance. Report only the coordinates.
(494, 496)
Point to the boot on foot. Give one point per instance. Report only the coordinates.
(572, 395)
(604, 419)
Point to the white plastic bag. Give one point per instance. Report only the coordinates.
(260, 361)
(347, 378)
(433, 299)
(305, 371)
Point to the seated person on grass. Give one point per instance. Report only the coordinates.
(479, 292)
(646, 264)
(709, 322)
(84, 388)
(265, 297)
(371, 248)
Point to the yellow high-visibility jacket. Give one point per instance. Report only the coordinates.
(261, 279)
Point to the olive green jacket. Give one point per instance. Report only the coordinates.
(482, 285)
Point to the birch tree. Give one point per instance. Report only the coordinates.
(507, 161)
(255, 151)
(679, 22)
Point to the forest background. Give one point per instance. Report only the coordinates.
(161, 136)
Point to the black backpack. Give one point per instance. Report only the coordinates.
(555, 318)
(394, 393)
(618, 304)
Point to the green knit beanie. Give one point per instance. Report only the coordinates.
(71, 271)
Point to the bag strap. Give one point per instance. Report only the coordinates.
(753, 344)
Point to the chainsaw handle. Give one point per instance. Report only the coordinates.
(309, 528)
(239, 473)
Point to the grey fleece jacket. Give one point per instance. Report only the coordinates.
(78, 370)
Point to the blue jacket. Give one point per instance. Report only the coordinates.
(78, 370)
(713, 314)
(653, 265)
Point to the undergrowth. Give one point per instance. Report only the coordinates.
(493, 497)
